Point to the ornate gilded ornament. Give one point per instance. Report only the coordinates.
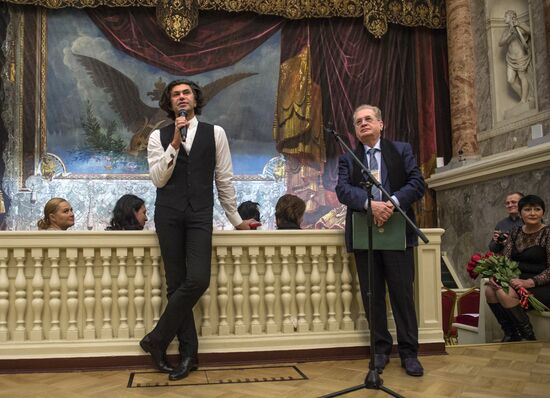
(178, 17)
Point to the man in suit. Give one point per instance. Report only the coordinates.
(183, 167)
(394, 164)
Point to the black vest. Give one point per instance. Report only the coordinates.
(191, 182)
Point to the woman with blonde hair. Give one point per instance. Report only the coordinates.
(58, 215)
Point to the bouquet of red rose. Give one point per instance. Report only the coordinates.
(502, 270)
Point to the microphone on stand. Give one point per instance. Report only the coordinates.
(183, 130)
(330, 130)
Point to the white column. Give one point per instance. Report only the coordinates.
(55, 295)
(206, 325)
(4, 295)
(301, 289)
(156, 284)
(286, 295)
(254, 289)
(122, 284)
(37, 303)
(347, 322)
(315, 279)
(238, 298)
(332, 323)
(139, 292)
(89, 292)
(269, 288)
(106, 293)
(362, 323)
(72, 294)
(223, 326)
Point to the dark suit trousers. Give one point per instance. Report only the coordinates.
(185, 239)
(396, 268)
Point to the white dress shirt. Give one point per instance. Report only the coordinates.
(378, 156)
(162, 163)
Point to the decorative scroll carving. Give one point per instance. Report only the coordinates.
(178, 17)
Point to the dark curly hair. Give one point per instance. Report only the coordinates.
(248, 210)
(124, 217)
(164, 102)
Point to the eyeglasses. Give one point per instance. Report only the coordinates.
(368, 119)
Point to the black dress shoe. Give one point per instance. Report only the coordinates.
(158, 355)
(186, 365)
(380, 362)
(412, 366)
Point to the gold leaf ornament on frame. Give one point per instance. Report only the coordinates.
(178, 17)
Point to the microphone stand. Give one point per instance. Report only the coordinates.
(373, 380)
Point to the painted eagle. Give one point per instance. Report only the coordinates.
(138, 117)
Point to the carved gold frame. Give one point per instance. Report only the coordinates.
(178, 16)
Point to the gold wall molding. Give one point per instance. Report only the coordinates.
(177, 16)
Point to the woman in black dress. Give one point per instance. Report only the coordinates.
(529, 245)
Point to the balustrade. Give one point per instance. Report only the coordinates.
(269, 290)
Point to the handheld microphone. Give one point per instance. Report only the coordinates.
(183, 130)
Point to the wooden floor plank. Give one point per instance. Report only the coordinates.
(484, 371)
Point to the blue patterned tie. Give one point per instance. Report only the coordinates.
(373, 166)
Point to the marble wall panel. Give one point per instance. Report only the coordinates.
(469, 213)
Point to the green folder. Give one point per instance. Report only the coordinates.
(390, 236)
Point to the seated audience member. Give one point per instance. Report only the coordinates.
(248, 210)
(129, 214)
(529, 245)
(58, 215)
(504, 226)
(289, 212)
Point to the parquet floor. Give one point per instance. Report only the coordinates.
(498, 370)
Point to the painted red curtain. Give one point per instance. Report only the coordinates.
(219, 41)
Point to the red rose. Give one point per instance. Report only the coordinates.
(476, 257)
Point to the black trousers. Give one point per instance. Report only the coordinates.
(185, 239)
(396, 268)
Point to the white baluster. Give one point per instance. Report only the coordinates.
(269, 288)
(238, 298)
(362, 323)
(156, 284)
(37, 302)
(301, 289)
(139, 292)
(223, 326)
(72, 294)
(4, 295)
(55, 295)
(122, 284)
(106, 293)
(254, 290)
(206, 325)
(347, 296)
(332, 323)
(315, 278)
(89, 292)
(20, 295)
(286, 295)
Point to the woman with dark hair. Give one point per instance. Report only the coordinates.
(129, 214)
(529, 245)
(289, 212)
